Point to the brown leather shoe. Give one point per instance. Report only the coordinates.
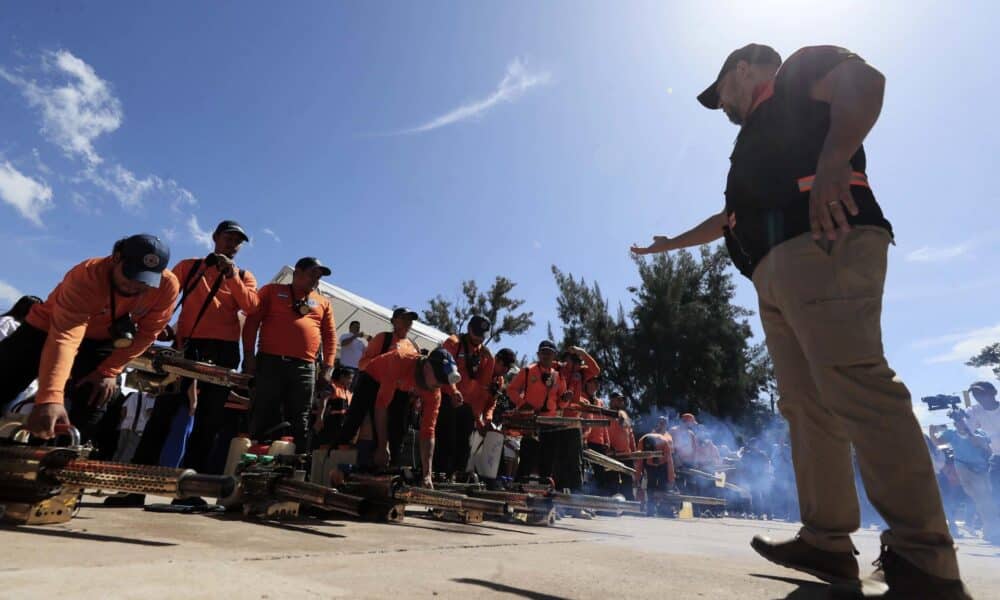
(831, 567)
(905, 580)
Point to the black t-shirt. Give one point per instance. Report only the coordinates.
(778, 145)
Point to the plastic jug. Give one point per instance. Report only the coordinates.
(318, 472)
(239, 446)
(486, 462)
(282, 447)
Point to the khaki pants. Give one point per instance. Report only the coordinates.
(977, 486)
(821, 306)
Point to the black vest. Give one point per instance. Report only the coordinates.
(780, 143)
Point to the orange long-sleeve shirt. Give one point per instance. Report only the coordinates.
(374, 348)
(474, 387)
(622, 436)
(576, 376)
(397, 371)
(284, 332)
(664, 443)
(598, 435)
(80, 307)
(220, 320)
(529, 389)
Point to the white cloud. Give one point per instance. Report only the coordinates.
(28, 196)
(514, 84)
(272, 234)
(8, 294)
(76, 110)
(962, 346)
(929, 254)
(199, 235)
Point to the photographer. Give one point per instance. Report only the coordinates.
(213, 293)
(986, 416)
(105, 312)
(971, 450)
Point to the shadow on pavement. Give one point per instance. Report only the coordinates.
(92, 537)
(806, 590)
(507, 589)
(295, 528)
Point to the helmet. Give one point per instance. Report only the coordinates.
(444, 366)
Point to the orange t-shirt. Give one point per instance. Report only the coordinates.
(576, 376)
(397, 371)
(528, 389)
(220, 320)
(597, 435)
(474, 388)
(80, 307)
(664, 443)
(284, 332)
(622, 437)
(374, 348)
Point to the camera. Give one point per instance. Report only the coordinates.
(123, 330)
(301, 306)
(472, 364)
(942, 402)
(211, 260)
(547, 379)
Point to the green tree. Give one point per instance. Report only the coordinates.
(987, 357)
(496, 304)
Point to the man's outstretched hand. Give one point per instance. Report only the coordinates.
(661, 243)
(43, 420)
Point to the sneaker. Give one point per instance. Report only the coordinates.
(192, 501)
(905, 580)
(126, 501)
(831, 567)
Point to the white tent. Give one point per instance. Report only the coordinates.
(374, 318)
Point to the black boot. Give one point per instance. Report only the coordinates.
(905, 580)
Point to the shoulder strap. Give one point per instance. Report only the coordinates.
(208, 300)
(386, 341)
(189, 283)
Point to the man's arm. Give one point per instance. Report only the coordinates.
(854, 90)
(250, 328)
(244, 292)
(515, 386)
(705, 232)
(373, 349)
(328, 329)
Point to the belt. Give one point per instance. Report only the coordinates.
(857, 178)
(284, 358)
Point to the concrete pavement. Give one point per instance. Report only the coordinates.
(130, 553)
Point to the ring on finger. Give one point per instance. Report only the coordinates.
(834, 202)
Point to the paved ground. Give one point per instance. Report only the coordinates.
(130, 553)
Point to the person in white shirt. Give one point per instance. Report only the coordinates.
(9, 322)
(352, 346)
(136, 411)
(985, 416)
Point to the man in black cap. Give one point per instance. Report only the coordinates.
(296, 325)
(985, 415)
(213, 294)
(462, 406)
(801, 221)
(105, 312)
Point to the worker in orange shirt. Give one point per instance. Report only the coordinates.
(399, 410)
(578, 369)
(296, 323)
(539, 389)
(331, 412)
(659, 471)
(685, 443)
(622, 440)
(105, 312)
(462, 405)
(393, 372)
(213, 293)
(597, 439)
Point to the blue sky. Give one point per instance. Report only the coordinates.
(413, 145)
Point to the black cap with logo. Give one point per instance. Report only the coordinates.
(143, 258)
(403, 312)
(754, 54)
(480, 326)
(547, 346)
(231, 226)
(311, 262)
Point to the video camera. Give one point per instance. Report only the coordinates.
(942, 402)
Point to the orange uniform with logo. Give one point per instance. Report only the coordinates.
(664, 443)
(284, 332)
(220, 320)
(621, 435)
(530, 390)
(396, 371)
(474, 388)
(597, 435)
(80, 307)
(375, 347)
(576, 376)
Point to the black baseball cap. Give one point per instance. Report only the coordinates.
(983, 387)
(547, 345)
(480, 326)
(402, 311)
(507, 356)
(755, 54)
(310, 262)
(144, 257)
(231, 226)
